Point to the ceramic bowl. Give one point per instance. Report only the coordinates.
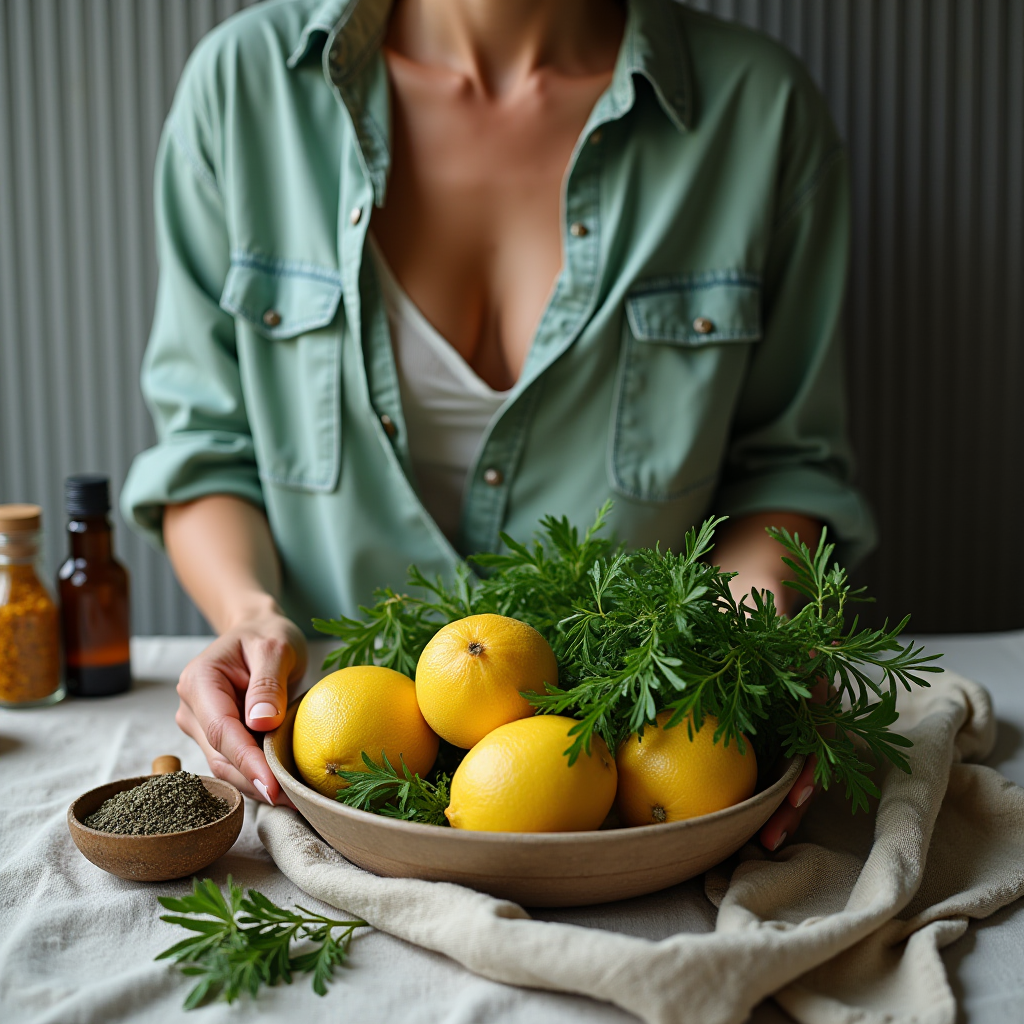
(546, 869)
(155, 858)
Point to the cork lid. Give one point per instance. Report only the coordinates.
(20, 518)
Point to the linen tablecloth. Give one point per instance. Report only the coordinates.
(77, 944)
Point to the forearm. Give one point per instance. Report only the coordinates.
(223, 554)
(745, 548)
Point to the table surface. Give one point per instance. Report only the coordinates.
(77, 945)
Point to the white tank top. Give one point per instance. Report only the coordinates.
(447, 407)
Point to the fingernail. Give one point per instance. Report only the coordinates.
(805, 795)
(262, 790)
(779, 841)
(263, 710)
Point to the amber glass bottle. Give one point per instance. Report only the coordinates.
(93, 595)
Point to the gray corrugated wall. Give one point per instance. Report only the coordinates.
(84, 88)
(928, 93)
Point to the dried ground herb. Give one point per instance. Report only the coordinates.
(164, 803)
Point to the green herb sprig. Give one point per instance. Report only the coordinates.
(381, 788)
(243, 942)
(645, 631)
(396, 629)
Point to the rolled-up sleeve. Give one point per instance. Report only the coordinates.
(789, 448)
(190, 374)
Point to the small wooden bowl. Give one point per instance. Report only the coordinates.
(545, 869)
(157, 858)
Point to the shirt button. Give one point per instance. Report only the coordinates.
(578, 230)
(356, 215)
(389, 425)
(702, 325)
(272, 318)
(493, 477)
(595, 137)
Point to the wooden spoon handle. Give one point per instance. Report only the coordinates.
(165, 764)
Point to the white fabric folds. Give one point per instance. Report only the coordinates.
(842, 927)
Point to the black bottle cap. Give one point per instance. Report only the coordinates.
(87, 494)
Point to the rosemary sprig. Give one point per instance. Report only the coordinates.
(380, 788)
(639, 632)
(243, 942)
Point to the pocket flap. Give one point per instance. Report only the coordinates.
(701, 309)
(281, 299)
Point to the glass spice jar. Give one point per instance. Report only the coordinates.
(29, 621)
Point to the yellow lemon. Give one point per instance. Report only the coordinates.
(470, 674)
(364, 707)
(666, 776)
(518, 779)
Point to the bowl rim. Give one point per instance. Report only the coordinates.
(75, 822)
(788, 774)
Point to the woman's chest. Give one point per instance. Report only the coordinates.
(472, 221)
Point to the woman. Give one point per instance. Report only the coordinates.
(433, 271)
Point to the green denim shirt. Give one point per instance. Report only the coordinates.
(688, 361)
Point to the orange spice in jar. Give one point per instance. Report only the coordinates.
(29, 621)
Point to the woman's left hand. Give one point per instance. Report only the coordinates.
(744, 547)
(783, 823)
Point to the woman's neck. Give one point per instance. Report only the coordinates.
(498, 45)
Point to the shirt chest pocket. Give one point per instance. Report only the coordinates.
(289, 355)
(685, 349)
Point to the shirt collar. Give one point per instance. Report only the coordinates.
(653, 46)
(324, 17)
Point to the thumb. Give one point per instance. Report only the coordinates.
(270, 663)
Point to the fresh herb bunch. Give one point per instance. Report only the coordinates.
(638, 632)
(382, 789)
(244, 942)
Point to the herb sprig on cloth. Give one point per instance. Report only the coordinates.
(243, 942)
(638, 632)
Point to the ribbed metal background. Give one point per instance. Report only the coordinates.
(928, 93)
(84, 88)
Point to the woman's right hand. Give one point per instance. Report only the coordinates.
(224, 555)
(239, 683)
